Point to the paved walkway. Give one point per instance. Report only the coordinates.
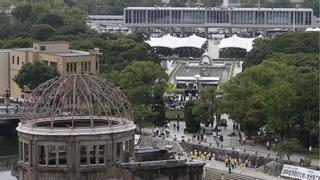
(230, 142)
(244, 171)
(213, 48)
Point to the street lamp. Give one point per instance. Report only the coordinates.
(7, 100)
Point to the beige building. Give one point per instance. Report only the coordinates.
(55, 54)
(4, 69)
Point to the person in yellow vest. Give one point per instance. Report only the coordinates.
(226, 161)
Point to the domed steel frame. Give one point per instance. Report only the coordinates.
(74, 96)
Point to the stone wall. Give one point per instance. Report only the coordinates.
(148, 141)
(166, 170)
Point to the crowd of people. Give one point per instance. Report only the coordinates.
(174, 102)
(231, 162)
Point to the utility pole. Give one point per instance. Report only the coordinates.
(7, 100)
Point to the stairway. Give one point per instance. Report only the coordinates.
(215, 174)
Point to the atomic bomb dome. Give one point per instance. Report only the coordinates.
(73, 127)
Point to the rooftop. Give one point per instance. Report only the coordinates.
(70, 53)
(203, 70)
(23, 49)
(173, 42)
(51, 42)
(215, 8)
(4, 50)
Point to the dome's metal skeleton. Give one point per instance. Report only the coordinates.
(76, 95)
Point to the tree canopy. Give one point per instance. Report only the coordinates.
(289, 43)
(144, 82)
(32, 75)
(281, 93)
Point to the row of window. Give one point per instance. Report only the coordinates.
(218, 16)
(50, 63)
(57, 155)
(18, 60)
(84, 66)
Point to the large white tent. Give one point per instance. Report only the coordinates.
(316, 29)
(237, 42)
(172, 42)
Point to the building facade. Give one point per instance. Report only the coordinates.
(55, 54)
(202, 17)
(4, 69)
(107, 23)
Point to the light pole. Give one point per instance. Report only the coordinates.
(7, 100)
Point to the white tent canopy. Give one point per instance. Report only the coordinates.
(172, 42)
(237, 42)
(317, 29)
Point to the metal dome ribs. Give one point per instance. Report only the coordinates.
(76, 95)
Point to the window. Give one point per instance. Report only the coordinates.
(83, 155)
(12, 59)
(75, 67)
(97, 65)
(26, 152)
(62, 155)
(43, 48)
(101, 154)
(45, 62)
(18, 60)
(68, 67)
(41, 155)
(93, 150)
(54, 65)
(52, 155)
(21, 151)
(119, 148)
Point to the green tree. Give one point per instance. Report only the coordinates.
(32, 75)
(144, 82)
(5, 26)
(206, 107)
(282, 101)
(289, 43)
(211, 3)
(23, 11)
(287, 148)
(192, 123)
(18, 42)
(233, 53)
(42, 31)
(123, 50)
(52, 19)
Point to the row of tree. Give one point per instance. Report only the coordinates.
(279, 89)
(278, 92)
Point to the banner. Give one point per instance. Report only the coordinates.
(300, 173)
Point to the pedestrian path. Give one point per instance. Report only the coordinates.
(214, 170)
(230, 142)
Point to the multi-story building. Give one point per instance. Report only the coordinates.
(4, 69)
(107, 23)
(55, 54)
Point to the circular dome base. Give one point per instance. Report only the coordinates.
(76, 125)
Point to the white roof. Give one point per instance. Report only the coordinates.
(172, 42)
(192, 78)
(317, 29)
(237, 42)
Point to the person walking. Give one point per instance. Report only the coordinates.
(229, 168)
(268, 145)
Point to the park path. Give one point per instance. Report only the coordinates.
(230, 142)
